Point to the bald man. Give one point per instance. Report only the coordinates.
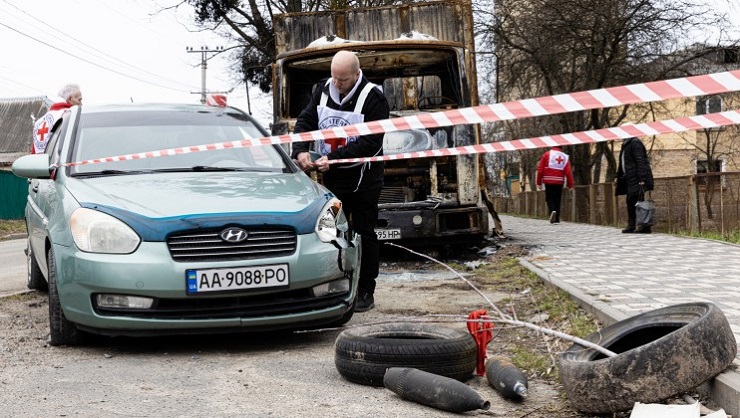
(347, 98)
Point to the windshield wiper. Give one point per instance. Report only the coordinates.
(213, 168)
(112, 173)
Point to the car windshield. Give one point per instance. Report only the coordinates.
(120, 134)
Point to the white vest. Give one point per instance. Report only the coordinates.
(332, 118)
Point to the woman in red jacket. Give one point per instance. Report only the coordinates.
(554, 172)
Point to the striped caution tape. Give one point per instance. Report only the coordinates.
(701, 85)
(711, 120)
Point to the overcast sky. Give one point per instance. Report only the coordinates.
(116, 50)
(123, 51)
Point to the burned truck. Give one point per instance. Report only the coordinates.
(422, 55)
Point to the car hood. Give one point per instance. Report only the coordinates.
(201, 200)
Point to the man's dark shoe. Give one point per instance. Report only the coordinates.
(365, 302)
(553, 217)
(628, 230)
(644, 231)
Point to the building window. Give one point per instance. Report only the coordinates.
(730, 56)
(704, 166)
(708, 104)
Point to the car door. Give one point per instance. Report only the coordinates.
(41, 194)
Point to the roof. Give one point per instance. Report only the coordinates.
(16, 125)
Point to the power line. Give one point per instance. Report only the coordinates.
(91, 47)
(204, 51)
(87, 61)
(17, 83)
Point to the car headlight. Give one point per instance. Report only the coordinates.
(97, 232)
(332, 223)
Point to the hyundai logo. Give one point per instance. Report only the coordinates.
(233, 235)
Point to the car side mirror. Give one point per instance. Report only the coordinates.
(34, 166)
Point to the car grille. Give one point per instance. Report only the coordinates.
(208, 245)
(264, 305)
(391, 195)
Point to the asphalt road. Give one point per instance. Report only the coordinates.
(13, 266)
(234, 375)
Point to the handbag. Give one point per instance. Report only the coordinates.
(645, 212)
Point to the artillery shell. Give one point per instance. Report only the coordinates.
(506, 378)
(433, 390)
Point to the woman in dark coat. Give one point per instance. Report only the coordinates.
(634, 177)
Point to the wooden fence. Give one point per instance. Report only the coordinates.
(698, 203)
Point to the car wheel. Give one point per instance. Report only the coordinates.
(660, 353)
(62, 331)
(363, 354)
(35, 280)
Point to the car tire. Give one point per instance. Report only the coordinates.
(346, 317)
(660, 354)
(62, 331)
(35, 279)
(363, 354)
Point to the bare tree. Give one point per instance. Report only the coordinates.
(247, 25)
(547, 47)
(714, 148)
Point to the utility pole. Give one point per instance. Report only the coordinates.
(204, 57)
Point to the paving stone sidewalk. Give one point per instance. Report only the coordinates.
(616, 275)
(632, 273)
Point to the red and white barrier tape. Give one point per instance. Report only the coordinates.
(549, 105)
(711, 120)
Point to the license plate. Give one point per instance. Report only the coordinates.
(237, 278)
(388, 234)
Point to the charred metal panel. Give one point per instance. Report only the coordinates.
(435, 19)
(440, 223)
(444, 20)
(467, 167)
(373, 25)
(296, 30)
(467, 177)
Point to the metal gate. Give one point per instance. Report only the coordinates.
(13, 195)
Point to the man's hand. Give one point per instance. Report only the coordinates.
(322, 164)
(303, 159)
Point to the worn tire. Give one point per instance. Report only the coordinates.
(363, 354)
(61, 330)
(660, 353)
(35, 279)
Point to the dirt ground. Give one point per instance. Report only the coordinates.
(278, 374)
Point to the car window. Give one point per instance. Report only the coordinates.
(54, 146)
(95, 141)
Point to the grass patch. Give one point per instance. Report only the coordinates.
(12, 226)
(20, 297)
(536, 363)
(732, 237)
(530, 297)
(507, 275)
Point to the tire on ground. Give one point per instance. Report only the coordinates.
(660, 354)
(61, 330)
(35, 279)
(363, 354)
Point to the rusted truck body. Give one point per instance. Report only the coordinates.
(423, 57)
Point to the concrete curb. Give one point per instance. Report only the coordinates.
(22, 235)
(724, 389)
(605, 313)
(11, 294)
